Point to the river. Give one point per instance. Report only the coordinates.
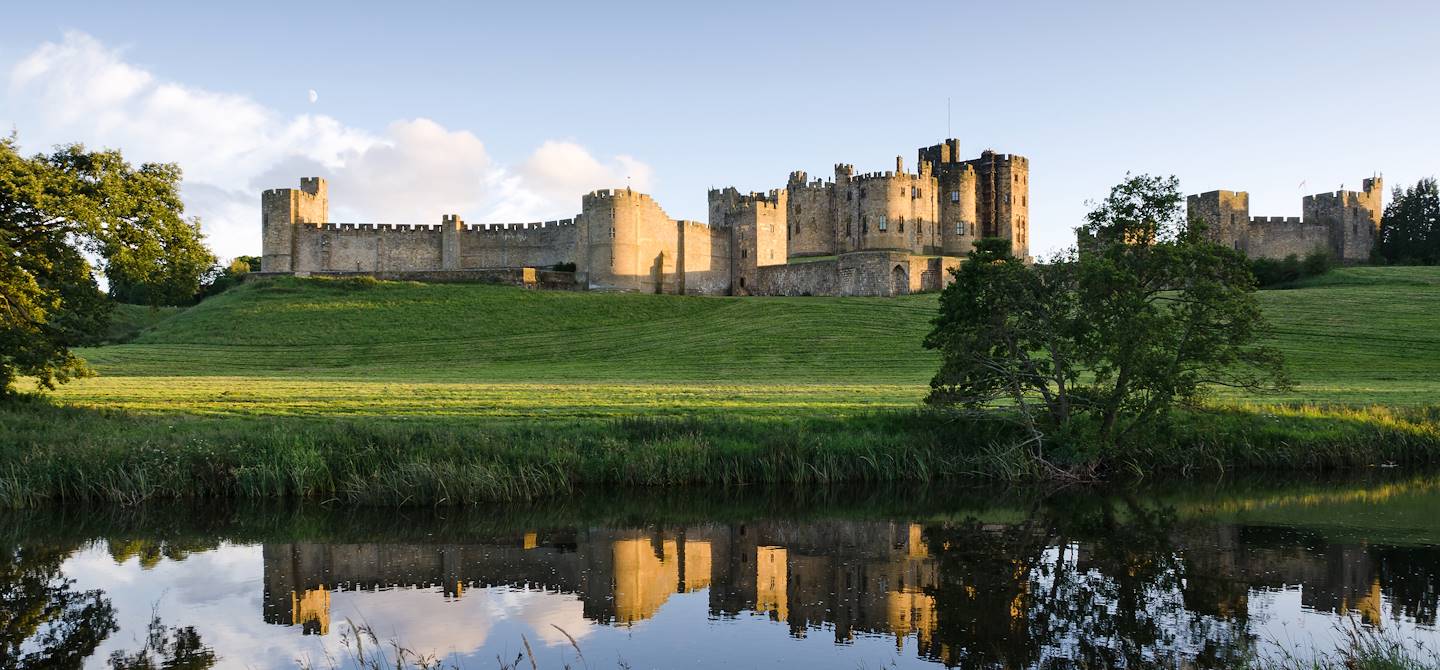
(1195, 574)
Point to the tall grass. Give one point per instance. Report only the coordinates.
(66, 453)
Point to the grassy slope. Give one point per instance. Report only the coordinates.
(128, 321)
(305, 347)
(776, 390)
(1358, 335)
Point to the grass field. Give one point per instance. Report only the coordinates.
(324, 347)
(403, 393)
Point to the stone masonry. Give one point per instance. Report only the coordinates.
(878, 233)
(1343, 223)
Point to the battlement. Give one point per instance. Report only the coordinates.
(889, 175)
(509, 227)
(1288, 220)
(944, 153)
(375, 227)
(1013, 160)
(607, 194)
(1335, 196)
(428, 228)
(312, 185)
(769, 198)
(1221, 194)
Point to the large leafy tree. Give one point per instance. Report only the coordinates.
(1100, 343)
(56, 211)
(1410, 226)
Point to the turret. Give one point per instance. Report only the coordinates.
(959, 219)
(281, 210)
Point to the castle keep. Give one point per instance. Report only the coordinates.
(1343, 224)
(878, 233)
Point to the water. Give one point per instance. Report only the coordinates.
(849, 578)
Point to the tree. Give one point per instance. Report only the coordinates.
(178, 648)
(45, 622)
(221, 279)
(1410, 226)
(57, 211)
(1100, 343)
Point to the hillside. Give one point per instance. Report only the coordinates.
(1357, 335)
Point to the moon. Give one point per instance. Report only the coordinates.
(313, 96)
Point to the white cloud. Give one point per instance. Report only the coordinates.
(231, 147)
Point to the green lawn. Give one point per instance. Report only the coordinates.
(308, 347)
(402, 393)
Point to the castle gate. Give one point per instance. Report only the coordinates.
(899, 281)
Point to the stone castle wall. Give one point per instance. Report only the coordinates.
(364, 247)
(1278, 237)
(703, 263)
(1343, 224)
(861, 273)
(624, 241)
(810, 215)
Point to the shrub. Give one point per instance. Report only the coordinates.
(1316, 263)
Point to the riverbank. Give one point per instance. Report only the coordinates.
(71, 454)
(389, 392)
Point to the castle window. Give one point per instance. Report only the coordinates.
(1024, 201)
(883, 224)
(960, 228)
(797, 208)
(612, 233)
(864, 225)
(862, 194)
(954, 196)
(848, 195)
(742, 252)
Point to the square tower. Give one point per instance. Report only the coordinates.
(1225, 215)
(281, 210)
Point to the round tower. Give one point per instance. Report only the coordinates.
(959, 219)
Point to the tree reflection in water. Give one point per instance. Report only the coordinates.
(44, 621)
(1097, 585)
(1084, 580)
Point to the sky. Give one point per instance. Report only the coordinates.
(508, 113)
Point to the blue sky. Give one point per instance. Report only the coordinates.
(506, 113)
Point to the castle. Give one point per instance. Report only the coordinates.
(879, 233)
(1344, 224)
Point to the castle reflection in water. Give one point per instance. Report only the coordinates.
(947, 585)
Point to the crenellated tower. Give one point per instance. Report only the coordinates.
(956, 182)
(1225, 215)
(1002, 196)
(1353, 218)
(758, 231)
(281, 210)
